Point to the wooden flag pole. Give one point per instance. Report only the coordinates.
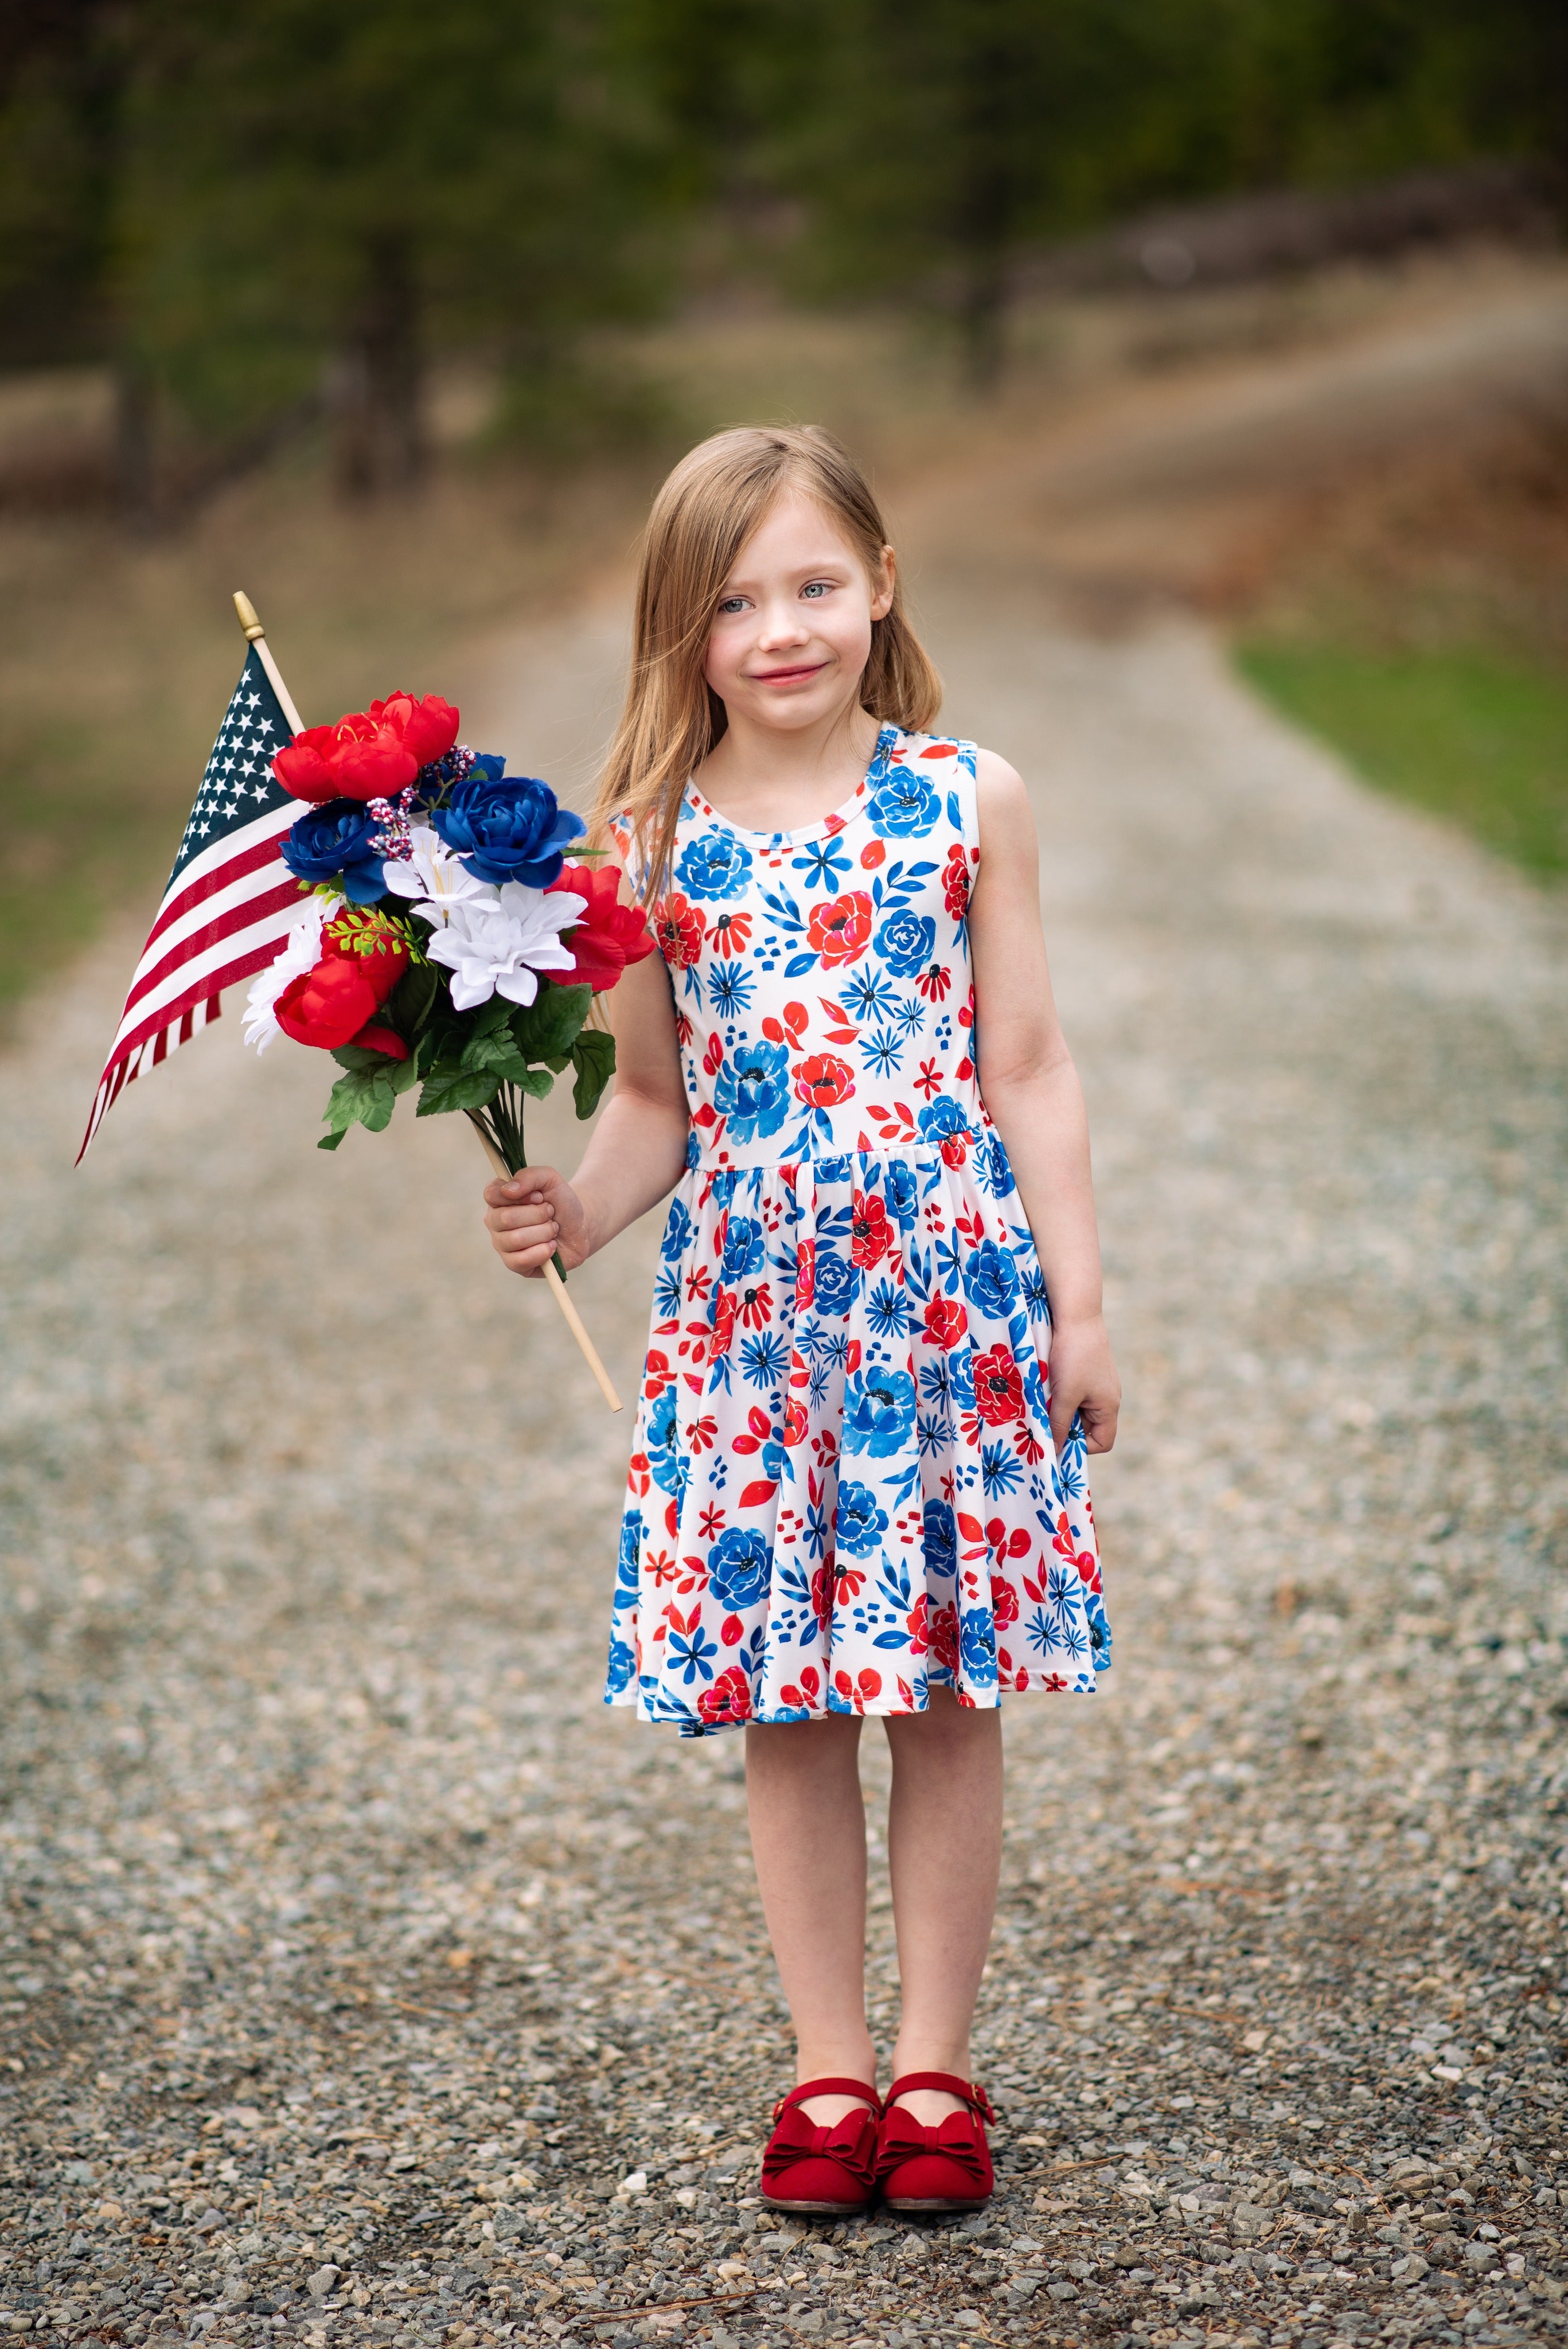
(256, 633)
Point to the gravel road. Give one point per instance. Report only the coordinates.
(364, 1981)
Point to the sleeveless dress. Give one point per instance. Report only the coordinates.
(844, 1490)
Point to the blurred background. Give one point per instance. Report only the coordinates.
(402, 311)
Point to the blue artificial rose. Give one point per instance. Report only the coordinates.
(990, 1280)
(677, 1232)
(745, 1246)
(837, 1282)
(625, 1578)
(901, 1191)
(904, 804)
(939, 1538)
(905, 942)
(941, 1117)
(738, 1567)
(859, 1524)
(879, 1413)
(977, 1645)
(752, 1089)
(715, 865)
(332, 842)
(621, 1665)
(665, 1457)
(506, 827)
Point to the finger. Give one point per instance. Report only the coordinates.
(1099, 1428)
(1062, 1414)
(519, 1218)
(530, 1259)
(533, 1183)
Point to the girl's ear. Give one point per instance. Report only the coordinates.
(883, 584)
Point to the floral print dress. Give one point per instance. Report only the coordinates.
(844, 1490)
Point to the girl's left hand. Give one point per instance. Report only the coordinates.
(1084, 1383)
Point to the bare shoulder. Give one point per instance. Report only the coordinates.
(1001, 801)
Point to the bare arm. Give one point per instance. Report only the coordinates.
(636, 1153)
(1031, 1093)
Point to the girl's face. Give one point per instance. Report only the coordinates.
(792, 632)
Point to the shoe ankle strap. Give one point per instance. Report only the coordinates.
(835, 2087)
(971, 2091)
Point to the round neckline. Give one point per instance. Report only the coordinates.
(833, 821)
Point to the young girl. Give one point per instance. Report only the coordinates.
(857, 1483)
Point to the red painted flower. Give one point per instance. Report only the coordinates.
(944, 1637)
(823, 1080)
(870, 1234)
(610, 935)
(955, 882)
(822, 1593)
(795, 1423)
(1003, 1601)
(805, 1276)
(728, 1701)
(919, 1627)
(724, 1303)
(954, 1149)
(946, 1322)
(427, 723)
(998, 1387)
(678, 927)
(360, 758)
(840, 928)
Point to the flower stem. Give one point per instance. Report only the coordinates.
(502, 1121)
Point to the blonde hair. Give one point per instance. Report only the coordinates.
(704, 516)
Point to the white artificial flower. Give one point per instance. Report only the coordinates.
(300, 952)
(432, 873)
(494, 944)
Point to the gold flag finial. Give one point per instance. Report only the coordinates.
(248, 621)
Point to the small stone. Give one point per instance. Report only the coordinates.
(320, 2284)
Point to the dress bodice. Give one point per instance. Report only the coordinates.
(821, 977)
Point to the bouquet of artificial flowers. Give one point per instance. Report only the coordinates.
(443, 941)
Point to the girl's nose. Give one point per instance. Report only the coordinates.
(783, 626)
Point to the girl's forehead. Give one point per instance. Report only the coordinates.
(795, 533)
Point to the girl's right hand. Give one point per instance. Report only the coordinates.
(531, 1217)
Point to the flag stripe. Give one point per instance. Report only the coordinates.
(213, 964)
(203, 878)
(258, 895)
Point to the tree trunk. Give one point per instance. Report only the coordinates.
(376, 391)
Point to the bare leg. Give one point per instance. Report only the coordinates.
(944, 1855)
(809, 1838)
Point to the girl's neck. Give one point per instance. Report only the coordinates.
(768, 779)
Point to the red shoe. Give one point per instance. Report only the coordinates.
(828, 2173)
(942, 2168)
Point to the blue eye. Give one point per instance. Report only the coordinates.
(732, 604)
(816, 587)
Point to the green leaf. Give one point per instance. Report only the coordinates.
(593, 1056)
(331, 1140)
(402, 1074)
(358, 1057)
(412, 999)
(492, 1050)
(488, 1017)
(447, 1089)
(550, 1023)
(353, 1098)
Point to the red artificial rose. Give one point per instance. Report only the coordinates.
(360, 758)
(840, 928)
(428, 724)
(823, 1080)
(609, 934)
(946, 1322)
(998, 1387)
(870, 1234)
(332, 1004)
(678, 926)
(728, 1701)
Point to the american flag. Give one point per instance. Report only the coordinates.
(229, 897)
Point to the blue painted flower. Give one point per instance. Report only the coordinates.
(977, 1646)
(991, 1165)
(878, 1411)
(752, 1089)
(900, 1188)
(837, 1282)
(506, 827)
(905, 804)
(905, 942)
(666, 1461)
(941, 1117)
(627, 1563)
(715, 865)
(621, 1665)
(859, 1524)
(990, 1280)
(745, 1246)
(939, 1538)
(677, 1232)
(332, 842)
(738, 1567)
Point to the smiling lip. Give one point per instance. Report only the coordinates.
(787, 676)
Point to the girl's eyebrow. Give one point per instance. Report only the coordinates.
(738, 584)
